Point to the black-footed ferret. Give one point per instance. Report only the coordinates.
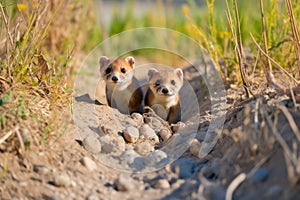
(123, 91)
(163, 91)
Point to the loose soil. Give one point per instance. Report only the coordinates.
(250, 144)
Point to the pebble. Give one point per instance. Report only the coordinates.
(111, 144)
(119, 142)
(144, 148)
(260, 175)
(92, 144)
(125, 183)
(176, 127)
(107, 130)
(128, 156)
(131, 134)
(40, 169)
(154, 123)
(165, 134)
(149, 133)
(162, 184)
(92, 197)
(62, 181)
(88, 163)
(106, 144)
(155, 157)
(138, 118)
(195, 148)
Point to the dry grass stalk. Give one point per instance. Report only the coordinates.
(295, 32)
(291, 121)
(290, 157)
(274, 62)
(8, 134)
(234, 184)
(237, 39)
(6, 25)
(268, 71)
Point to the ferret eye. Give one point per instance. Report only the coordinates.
(123, 70)
(108, 70)
(173, 82)
(157, 83)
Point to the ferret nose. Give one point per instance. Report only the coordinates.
(165, 90)
(114, 78)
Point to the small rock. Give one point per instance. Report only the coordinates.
(23, 183)
(62, 181)
(107, 130)
(162, 184)
(260, 175)
(178, 183)
(165, 134)
(128, 156)
(125, 183)
(138, 118)
(40, 169)
(149, 133)
(131, 134)
(106, 144)
(144, 148)
(119, 142)
(92, 197)
(92, 144)
(195, 148)
(111, 144)
(154, 158)
(155, 124)
(177, 127)
(88, 163)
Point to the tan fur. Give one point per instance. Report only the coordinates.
(122, 88)
(163, 90)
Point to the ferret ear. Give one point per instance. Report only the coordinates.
(151, 71)
(179, 73)
(102, 61)
(130, 60)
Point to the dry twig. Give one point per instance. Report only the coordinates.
(291, 159)
(295, 32)
(273, 61)
(268, 71)
(291, 121)
(7, 135)
(234, 184)
(237, 39)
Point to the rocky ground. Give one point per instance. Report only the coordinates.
(115, 156)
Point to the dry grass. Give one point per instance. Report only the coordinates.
(37, 68)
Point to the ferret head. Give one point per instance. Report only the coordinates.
(117, 71)
(165, 82)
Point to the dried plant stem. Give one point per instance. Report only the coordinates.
(10, 40)
(268, 71)
(234, 184)
(237, 39)
(273, 61)
(291, 159)
(241, 55)
(291, 121)
(8, 134)
(6, 25)
(295, 32)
